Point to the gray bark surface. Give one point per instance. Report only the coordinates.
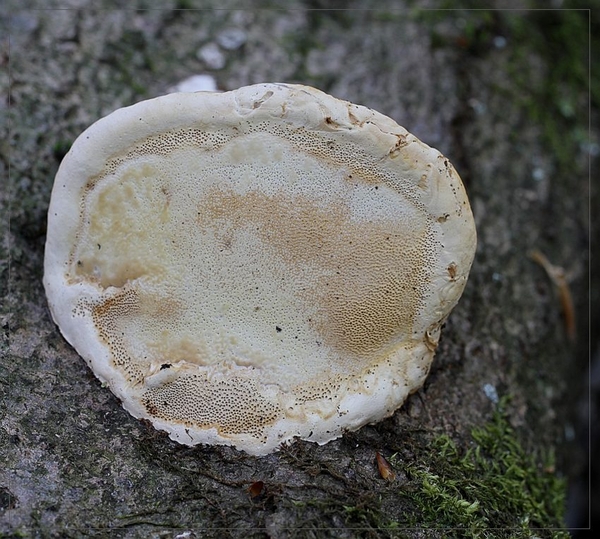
(504, 109)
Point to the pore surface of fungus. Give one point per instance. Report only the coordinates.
(248, 267)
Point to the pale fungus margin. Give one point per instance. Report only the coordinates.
(250, 267)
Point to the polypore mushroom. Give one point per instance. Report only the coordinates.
(250, 267)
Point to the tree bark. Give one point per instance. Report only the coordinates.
(503, 94)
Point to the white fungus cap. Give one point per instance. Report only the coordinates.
(250, 267)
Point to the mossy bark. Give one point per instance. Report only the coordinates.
(497, 92)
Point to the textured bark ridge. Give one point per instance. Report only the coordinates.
(497, 92)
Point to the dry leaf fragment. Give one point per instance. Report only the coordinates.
(558, 277)
(256, 489)
(385, 468)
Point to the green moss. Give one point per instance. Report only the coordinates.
(494, 485)
(490, 486)
(559, 102)
(547, 71)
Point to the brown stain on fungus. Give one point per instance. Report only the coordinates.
(452, 270)
(370, 286)
(108, 314)
(401, 142)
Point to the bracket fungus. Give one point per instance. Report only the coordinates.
(249, 267)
